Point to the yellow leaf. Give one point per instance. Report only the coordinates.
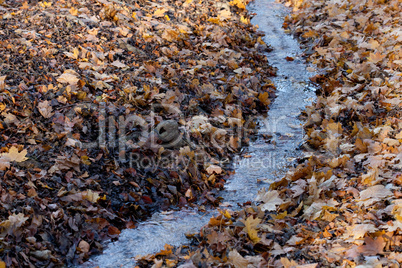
(250, 229)
(73, 11)
(225, 213)
(165, 252)
(167, 18)
(160, 12)
(214, 20)
(245, 21)
(85, 160)
(2, 264)
(45, 4)
(238, 3)
(90, 196)
(14, 155)
(264, 98)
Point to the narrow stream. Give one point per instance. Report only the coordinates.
(266, 161)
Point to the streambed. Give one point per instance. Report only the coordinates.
(266, 160)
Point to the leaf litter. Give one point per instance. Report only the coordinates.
(74, 72)
(341, 206)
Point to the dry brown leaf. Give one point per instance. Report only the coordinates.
(376, 191)
(359, 230)
(160, 12)
(14, 155)
(376, 57)
(237, 260)
(270, 199)
(68, 78)
(214, 169)
(84, 246)
(4, 163)
(45, 109)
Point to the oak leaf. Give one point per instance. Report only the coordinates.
(251, 228)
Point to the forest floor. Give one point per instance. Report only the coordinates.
(342, 206)
(111, 110)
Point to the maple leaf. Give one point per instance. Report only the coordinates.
(73, 55)
(14, 155)
(237, 260)
(73, 11)
(91, 196)
(376, 57)
(160, 12)
(239, 3)
(270, 199)
(359, 230)
(372, 246)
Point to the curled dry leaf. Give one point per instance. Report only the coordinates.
(84, 246)
(45, 109)
(269, 199)
(237, 260)
(214, 169)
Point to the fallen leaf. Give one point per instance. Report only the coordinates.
(68, 78)
(237, 260)
(214, 169)
(269, 199)
(251, 228)
(376, 191)
(14, 155)
(45, 109)
(84, 246)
